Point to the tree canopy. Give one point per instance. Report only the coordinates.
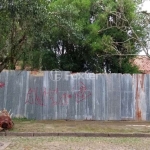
(73, 35)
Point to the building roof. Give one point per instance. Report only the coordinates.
(143, 63)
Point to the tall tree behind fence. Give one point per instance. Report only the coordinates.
(86, 96)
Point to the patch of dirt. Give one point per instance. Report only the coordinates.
(3, 145)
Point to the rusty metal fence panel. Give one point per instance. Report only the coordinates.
(80, 96)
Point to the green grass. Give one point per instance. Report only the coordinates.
(73, 143)
(22, 119)
(28, 125)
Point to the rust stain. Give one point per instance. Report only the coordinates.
(139, 114)
(36, 73)
(137, 97)
(142, 81)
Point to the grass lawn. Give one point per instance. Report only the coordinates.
(74, 143)
(24, 125)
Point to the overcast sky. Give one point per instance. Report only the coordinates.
(146, 5)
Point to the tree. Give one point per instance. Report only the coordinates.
(19, 26)
(108, 31)
(75, 35)
(64, 34)
(117, 25)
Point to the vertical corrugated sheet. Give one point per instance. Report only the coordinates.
(113, 98)
(127, 99)
(139, 82)
(100, 97)
(86, 96)
(147, 96)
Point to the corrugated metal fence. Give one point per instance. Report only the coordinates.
(87, 96)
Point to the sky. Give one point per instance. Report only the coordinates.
(146, 5)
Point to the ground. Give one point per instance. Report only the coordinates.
(80, 126)
(74, 143)
(77, 143)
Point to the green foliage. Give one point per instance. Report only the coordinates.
(21, 119)
(49, 61)
(75, 35)
(20, 24)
